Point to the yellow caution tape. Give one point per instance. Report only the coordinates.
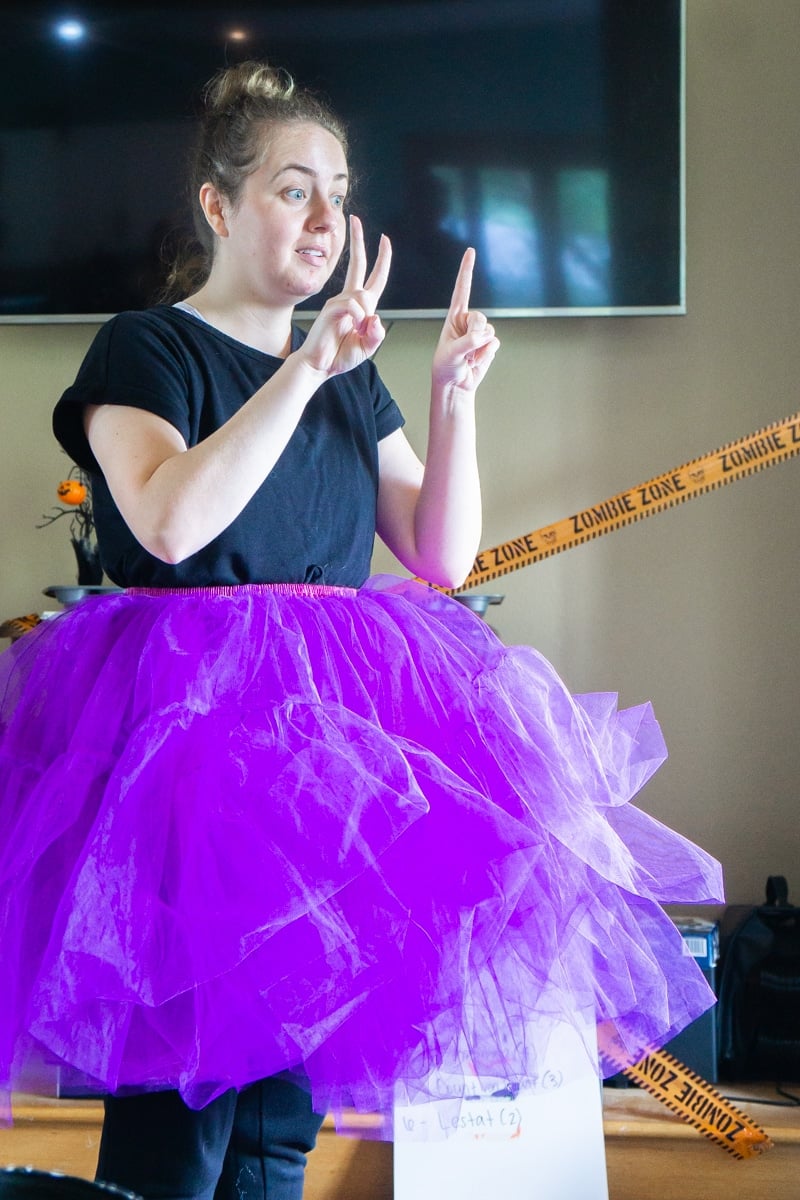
(765, 448)
(692, 1098)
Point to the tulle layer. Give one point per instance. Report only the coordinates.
(346, 833)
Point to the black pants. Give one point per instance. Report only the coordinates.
(246, 1146)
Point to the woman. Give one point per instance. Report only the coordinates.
(302, 839)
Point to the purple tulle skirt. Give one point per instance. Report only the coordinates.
(345, 833)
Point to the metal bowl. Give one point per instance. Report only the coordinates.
(477, 601)
(69, 594)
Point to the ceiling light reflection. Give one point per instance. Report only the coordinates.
(70, 30)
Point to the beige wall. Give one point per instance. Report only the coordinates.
(693, 609)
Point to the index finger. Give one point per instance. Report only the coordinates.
(459, 302)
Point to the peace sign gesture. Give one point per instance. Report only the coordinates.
(348, 329)
(467, 343)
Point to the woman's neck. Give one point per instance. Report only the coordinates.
(262, 328)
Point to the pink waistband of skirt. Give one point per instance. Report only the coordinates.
(247, 589)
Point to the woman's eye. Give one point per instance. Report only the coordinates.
(337, 201)
(296, 193)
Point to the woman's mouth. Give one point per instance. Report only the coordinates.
(313, 255)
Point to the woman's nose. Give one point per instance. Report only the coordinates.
(324, 214)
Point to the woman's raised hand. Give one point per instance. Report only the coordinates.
(467, 343)
(348, 329)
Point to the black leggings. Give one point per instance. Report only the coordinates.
(246, 1146)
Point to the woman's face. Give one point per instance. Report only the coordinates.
(287, 232)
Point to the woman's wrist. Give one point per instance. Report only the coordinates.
(300, 375)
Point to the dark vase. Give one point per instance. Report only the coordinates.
(90, 569)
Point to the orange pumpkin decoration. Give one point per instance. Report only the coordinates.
(71, 491)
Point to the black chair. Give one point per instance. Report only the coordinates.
(26, 1183)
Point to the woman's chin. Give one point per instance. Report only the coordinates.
(307, 285)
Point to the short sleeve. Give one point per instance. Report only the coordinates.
(132, 361)
(388, 416)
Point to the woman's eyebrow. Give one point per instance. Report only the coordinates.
(305, 171)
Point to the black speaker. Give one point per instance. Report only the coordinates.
(697, 1045)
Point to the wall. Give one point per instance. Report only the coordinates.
(691, 609)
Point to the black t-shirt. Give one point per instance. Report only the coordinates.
(313, 518)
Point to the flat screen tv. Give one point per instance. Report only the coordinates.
(549, 134)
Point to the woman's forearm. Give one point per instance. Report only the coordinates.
(447, 519)
(176, 500)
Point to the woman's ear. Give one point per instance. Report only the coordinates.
(213, 208)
